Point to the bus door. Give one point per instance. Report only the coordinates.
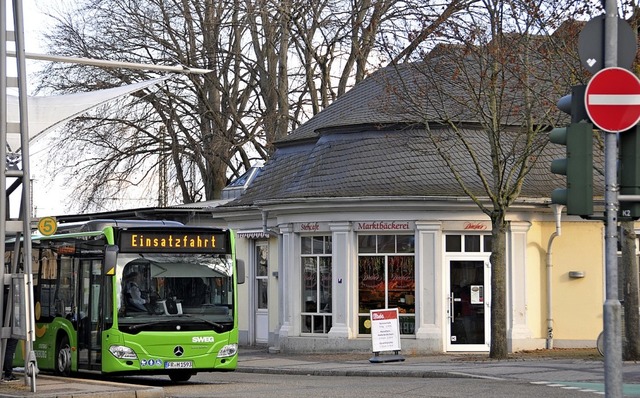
(88, 314)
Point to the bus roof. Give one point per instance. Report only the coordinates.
(99, 225)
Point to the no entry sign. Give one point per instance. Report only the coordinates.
(612, 99)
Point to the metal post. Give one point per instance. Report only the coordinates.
(25, 206)
(3, 181)
(612, 308)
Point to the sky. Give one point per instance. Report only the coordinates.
(48, 193)
(48, 197)
(51, 193)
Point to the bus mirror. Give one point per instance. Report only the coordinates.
(110, 256)
(240, 271)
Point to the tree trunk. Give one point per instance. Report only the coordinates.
(629, 268)
(498, 348)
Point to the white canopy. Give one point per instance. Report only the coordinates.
(47, 112)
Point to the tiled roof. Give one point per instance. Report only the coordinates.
(371, 142)
(385, 163)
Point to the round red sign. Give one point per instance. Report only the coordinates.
(612, 99)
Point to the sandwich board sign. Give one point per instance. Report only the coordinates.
(385, 334)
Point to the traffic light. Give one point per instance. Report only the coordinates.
(629, 171)
(578, 165)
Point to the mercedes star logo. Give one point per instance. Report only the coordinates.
(178, 351)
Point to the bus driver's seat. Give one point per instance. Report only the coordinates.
(171, 307)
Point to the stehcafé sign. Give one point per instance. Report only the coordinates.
(311, 227)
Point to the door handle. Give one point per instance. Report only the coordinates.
(452, 315)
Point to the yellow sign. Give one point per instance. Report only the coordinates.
(47, 226)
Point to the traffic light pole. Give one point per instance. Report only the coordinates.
(612, 307)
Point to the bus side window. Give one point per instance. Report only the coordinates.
(65, 297)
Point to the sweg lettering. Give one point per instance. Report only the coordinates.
(310, 227)
(475, 226)
(202, 339)
(173, 242)
(382, 225)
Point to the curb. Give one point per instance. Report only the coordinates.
(359, 373)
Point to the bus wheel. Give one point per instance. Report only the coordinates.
(63, 357)
(179, 376)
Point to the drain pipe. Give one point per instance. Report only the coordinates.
(557, 210)
(265, 217)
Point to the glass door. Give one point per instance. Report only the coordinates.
(468, 310)
(261, 295)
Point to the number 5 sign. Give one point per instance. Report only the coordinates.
(47, 226)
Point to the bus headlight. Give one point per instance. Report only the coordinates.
(228, 351)
(122, 352)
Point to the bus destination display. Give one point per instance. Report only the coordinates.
(173, 241)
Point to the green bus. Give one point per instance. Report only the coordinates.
(135, 297)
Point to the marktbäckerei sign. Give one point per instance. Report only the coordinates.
(385, 330)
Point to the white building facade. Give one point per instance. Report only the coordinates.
(313, 277)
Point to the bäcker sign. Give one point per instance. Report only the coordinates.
(466, 226)
(475, 226)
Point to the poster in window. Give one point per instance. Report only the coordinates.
(477, 294)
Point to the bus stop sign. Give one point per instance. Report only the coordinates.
(612, 99)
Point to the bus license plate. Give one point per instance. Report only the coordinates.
(178, 365)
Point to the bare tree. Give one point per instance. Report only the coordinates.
(275, 64)
(494, 85)
(203, 118)
(269, 27)
(337, 43)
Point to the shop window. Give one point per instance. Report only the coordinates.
(487, 243)
(468, 243)
(453, 243)
(472, 243)
(367, 244)
(386, 278)
(316, 284)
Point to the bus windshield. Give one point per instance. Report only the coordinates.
(156, 288)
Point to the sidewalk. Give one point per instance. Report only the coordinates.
(571, 370)
(578, 372)
(58, 387)
(528, 368)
